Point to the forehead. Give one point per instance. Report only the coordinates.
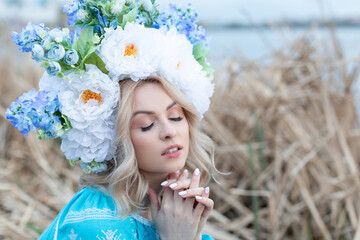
(151, 96)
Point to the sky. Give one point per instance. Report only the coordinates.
(220, 12)
(225, 11)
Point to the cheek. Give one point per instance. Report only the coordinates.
(142, 144)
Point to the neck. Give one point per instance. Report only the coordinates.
(155, 180)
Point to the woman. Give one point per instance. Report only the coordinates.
(159, 137)
(126, 98)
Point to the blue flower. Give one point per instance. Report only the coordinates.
(71, 7)
(94, 167)
(37, 110)
(30, 35)
(19, 111)
(37, 52)
(71, 57)
(46, 43)
(53, 68)
(57, 34)
(184, 19)
(56, 52)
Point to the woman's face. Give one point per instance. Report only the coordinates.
(159, 131)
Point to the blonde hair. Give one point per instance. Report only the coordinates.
(123, 180)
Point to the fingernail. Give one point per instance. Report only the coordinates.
(198, 197)
(186, 171)
(178, 171)
(173, 185)
(164, 183)
(207, 190)
(182, 193)
(197, 172)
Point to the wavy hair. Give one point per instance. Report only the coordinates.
(123, 180)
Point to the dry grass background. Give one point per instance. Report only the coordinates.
(287, 131)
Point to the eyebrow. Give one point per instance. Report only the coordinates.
(150, 112)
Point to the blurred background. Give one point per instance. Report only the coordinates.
(284, 118)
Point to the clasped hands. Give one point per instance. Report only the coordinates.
(184, 208)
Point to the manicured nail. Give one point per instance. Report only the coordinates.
(207, 190)
(186, 171)
(197, 172)
(198, 197)
(173, 185)
(182, 193)
(164, 183)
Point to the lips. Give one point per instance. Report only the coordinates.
(171, 149)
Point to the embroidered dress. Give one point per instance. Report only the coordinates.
(92, 214)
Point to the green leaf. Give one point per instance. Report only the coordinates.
(85, 41)
(45, 64)
(90, 51)
(200, 52)
(72, 162)
(129, 17)
(60, 75)
(97, 61)
(66, 124)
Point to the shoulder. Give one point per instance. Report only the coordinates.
(89, 214)
(88, 204)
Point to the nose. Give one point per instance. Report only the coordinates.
(167, 131)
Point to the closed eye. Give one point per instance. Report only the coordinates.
(144, 129)
(176, 119)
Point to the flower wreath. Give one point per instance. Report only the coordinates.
(112, 40)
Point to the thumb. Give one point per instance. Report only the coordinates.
(154, 202)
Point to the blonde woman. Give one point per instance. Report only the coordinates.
(126, 98)
(159, 140)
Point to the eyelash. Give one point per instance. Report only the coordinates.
(144, 129)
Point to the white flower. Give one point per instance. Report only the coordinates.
(181, 69)
(117, 7)
(138, 52)
(148, 6)
(90, 96)
(94, 143)
(52, 83)
(133, 52)
(81, 14)
(89, 103)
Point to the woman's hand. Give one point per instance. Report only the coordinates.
(181, 193)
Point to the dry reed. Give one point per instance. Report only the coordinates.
(287, 132)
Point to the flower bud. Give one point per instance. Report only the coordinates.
(46, 43)
(56, 52)
(71, 57)
(53, 68)
(37, 52)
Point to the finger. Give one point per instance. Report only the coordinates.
(192, 192)
(199, 210)
(174, 175)
(154, 202)
(207, 205)
(182, 184)
(195, 180)
(184, 175)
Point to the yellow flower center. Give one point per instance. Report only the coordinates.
(130, 50)
(178, 65)
(88, 94)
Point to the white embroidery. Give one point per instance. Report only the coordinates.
(143, 220)
(90, 213)
(109, 234)
(73, 236)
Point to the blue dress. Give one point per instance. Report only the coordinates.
(92, 214)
